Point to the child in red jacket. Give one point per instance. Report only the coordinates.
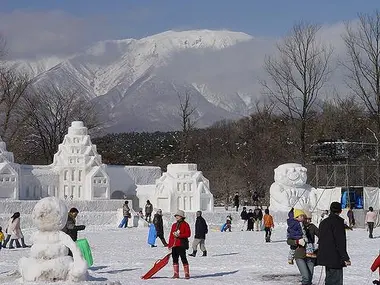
(179, 243)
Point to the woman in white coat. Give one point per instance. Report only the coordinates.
(14, 231)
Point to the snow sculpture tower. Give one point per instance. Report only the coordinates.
(82, 175)
(183, 187)
(289, 188)
(9, 174)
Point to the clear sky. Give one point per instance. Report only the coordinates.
(84, 21)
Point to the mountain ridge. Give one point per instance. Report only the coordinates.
(106, 71)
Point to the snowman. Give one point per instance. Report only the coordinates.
(290, 189)
(49, 260)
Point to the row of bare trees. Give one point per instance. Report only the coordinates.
(36, 117)
(300, 70)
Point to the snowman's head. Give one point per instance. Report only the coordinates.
(50, 214)
(291, 174)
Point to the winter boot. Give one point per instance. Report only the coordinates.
(176, 271)
(204, 253)
(23, 243)
(11, 244)
(193, 254)
(186, 269)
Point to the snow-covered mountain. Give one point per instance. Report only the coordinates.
(138, 82)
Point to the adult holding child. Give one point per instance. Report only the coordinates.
(304, 260)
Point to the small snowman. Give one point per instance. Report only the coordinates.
(49, 260)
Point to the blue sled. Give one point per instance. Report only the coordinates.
(222, 228)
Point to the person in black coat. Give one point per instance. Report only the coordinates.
(71, 228)
(201, 229)
(250, 218)
(159, 225)
(236, 201)
(258, 217)
(332, 251)
(244, 217)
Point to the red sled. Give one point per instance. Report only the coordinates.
(158, 265)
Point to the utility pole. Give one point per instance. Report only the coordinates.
(377, 157)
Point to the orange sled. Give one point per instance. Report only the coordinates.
(158, 265)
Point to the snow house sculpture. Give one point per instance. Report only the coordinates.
(183, 187)
(77, 173)
(81, 172)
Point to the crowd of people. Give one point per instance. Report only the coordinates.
(309, 245)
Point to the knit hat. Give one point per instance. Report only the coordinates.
(180, 213)
(335, 208)
(298, 212)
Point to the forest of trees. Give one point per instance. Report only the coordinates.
(234, 155)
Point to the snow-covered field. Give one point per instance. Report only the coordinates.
(122, 255)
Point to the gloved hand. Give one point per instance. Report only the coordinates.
(347, 263)
(176, 233)
(301, 242)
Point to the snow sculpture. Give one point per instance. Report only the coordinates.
(183, 187)
(49, 260)
(290, 188)
(9, 178)
(82, 176)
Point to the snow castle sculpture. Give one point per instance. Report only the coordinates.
(82, 176)
(183, 187)
(49, 260)
(289, 188)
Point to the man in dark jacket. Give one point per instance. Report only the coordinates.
(332, 252)
(70, 228)
(244, 217)
(257, 217)
(159, 225)
(236, 201)
(148, 211)
(201, 230)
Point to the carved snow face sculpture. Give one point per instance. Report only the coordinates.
(291, 174)
(50, 214)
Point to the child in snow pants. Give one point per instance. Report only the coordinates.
(268, 225)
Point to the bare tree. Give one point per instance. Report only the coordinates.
(297, 75)
(13, 89)
(363, 63)
(186, 112)
(50, 112)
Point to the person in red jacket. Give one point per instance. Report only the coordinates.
(374, 267)
(179, 243)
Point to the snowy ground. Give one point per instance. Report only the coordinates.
(234, 258)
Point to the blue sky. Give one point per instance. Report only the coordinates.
(90, 20)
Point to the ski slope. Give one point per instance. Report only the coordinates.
(121, 256)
